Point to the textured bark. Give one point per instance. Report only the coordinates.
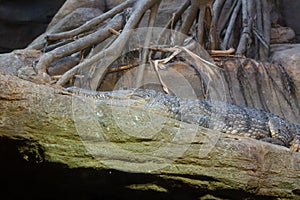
(42, 116)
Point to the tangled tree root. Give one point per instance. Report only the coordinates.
(238, 25)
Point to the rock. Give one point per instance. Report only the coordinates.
(12, 62)
(21, 63)
(112, 3)
(46, 131)
(266, 86)
(75, 19)
(288, 55)
(71, 5)
(281, 34)
(72, 20)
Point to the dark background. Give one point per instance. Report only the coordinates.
(22, 21)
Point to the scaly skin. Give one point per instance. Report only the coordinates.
(220, 116)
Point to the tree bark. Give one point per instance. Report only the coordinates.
(44, 117)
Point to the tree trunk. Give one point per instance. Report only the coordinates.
(203, 161)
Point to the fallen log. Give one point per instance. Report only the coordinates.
(55, 127)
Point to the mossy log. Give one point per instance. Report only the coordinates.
(204, 160)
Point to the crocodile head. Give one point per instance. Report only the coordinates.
(129, 97)
(146, 100)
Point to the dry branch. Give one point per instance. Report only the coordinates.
(114, 50)
(78, 45)
(151, 22)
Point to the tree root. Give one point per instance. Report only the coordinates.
(216, 24)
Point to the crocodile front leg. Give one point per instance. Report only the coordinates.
(279, 130)
(295, 144)
(283, 133)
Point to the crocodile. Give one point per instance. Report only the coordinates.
(216, 115)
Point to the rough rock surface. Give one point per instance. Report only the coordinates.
(17, 60)
(281, 34)
(288, 55)
(71, 20)
(39, 121)
(71, 5)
